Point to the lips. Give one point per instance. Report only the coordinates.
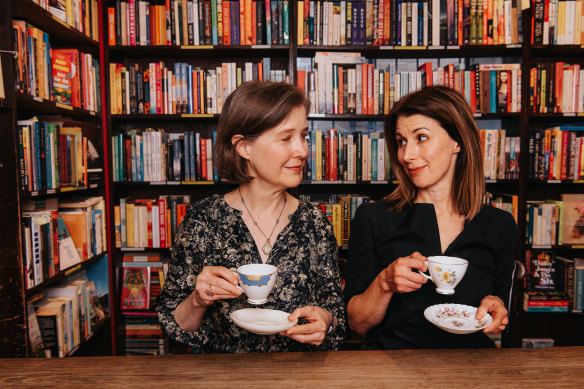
(295, 168)
(416, 170)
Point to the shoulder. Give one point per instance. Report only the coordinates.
(207, 210)
(497, 219)
(381, 211)
(310, 214)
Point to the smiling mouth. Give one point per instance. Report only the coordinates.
(414, 171)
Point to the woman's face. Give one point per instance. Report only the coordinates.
(278, 155)
(426, 152)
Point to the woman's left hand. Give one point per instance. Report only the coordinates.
(496, 308)
(314, 332)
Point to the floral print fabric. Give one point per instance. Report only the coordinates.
(214, 234)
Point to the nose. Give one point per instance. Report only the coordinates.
(410, 152)
(301, 148)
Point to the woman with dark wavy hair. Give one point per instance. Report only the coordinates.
(436, 209)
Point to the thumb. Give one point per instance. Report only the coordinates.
(481, 312)
(295, 315)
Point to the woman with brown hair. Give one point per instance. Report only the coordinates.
(261, 145)
(436, 209)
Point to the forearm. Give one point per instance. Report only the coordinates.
(189, 314)
(367, 309)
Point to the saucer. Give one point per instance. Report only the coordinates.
(456, 318)
(262, 321)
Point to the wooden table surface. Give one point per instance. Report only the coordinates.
(496, 368)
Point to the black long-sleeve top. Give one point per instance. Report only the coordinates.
(380, 235)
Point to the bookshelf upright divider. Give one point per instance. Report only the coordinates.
(53, 146)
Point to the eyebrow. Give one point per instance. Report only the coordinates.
(415, 130)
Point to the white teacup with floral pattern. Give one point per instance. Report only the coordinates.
(446, 272)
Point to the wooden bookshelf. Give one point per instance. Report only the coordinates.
(19, 106)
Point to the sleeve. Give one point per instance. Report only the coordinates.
(506, 256)
(186, 263)
(328, 290)
(362, 261)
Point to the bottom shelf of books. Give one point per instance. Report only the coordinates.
(63, 317)
(141, 277)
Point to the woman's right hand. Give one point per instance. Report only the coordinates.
(401, 275)
(215, 283)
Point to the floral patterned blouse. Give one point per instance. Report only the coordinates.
(214, 234)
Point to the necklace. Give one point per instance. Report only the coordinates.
(267, 247)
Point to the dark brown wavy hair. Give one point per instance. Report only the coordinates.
(449, 108)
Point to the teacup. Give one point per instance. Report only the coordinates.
(257, 281)
(445, 272)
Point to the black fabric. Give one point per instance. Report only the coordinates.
(380, 235)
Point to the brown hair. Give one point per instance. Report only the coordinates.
(447, 107)
(253, 108)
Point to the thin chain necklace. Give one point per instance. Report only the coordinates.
(267, 247)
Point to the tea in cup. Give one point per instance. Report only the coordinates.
(445, 272)
(257, 281)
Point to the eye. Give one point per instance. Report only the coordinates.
(401, 142)
(286, 139)
(422, 138)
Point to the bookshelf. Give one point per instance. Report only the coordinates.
(50, 184)
(282, 57)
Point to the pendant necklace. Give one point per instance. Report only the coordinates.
(267, 247)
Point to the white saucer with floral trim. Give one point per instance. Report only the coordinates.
(456, 318)
(262, 321)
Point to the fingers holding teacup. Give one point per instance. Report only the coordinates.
(400, 277)
(216, 283)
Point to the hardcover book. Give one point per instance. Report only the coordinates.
(573, 225)
(135, 288)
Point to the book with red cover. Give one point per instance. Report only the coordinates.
(135, 288)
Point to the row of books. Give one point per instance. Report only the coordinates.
(143, 335)
(553, 283)
(57, 235)
(157, 89)
(198, 22)
(153, 223)
(556, 88)
(142, 273)
(556, 22)
(357, 156)
(339, 209)
(60, 318)
(154, 156)
(53, 154)
(500, 154)
(506, 202)
(409, 23)
(556, 222)
(142, 277)
(66, 76)
(82, 15)
(350, 83)
(556, 153)
(64, 317)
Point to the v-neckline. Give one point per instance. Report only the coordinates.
(250, 237)
(437, 230)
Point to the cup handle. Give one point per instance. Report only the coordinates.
(238, 279)
(425, 275)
